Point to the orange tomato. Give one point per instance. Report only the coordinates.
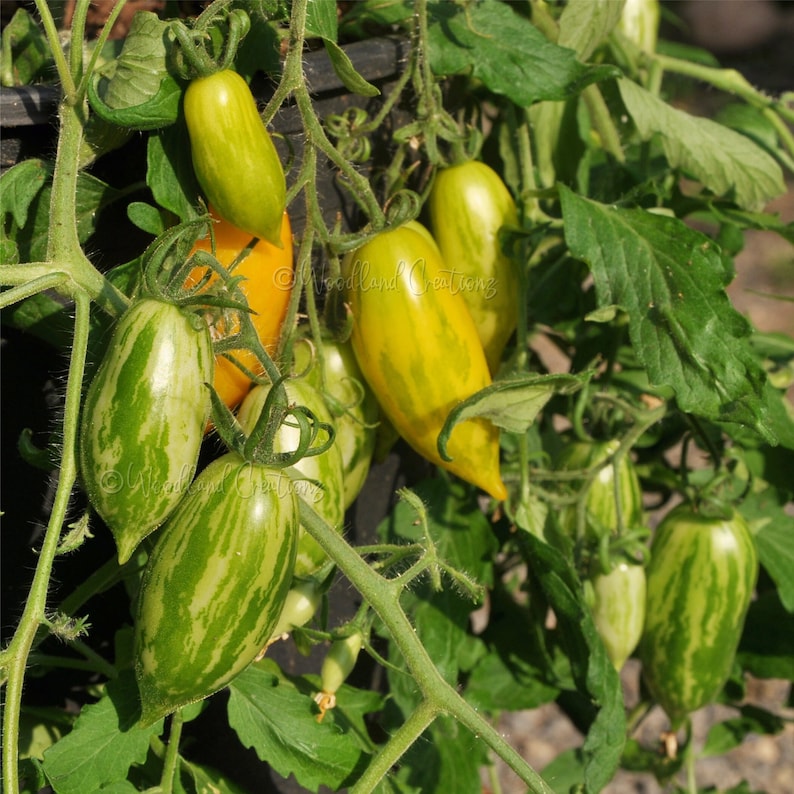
(269, 276)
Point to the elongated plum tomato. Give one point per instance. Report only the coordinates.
(269, 276)
(469, 203)
(617, 601)
(234, 158)
(701, 579)
(143, 419)
(215, 584)
(419, 350)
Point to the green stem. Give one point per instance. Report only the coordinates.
(16, 655)
(530, 206)
(54, 41)
(292, 82)
(171, 760)
(101, 580)
(94, 664)
(689, 767)
(729, 80)
(63, 243)
(399, 742)
(384, 597)
(76, 45)
(783, 131)
(99, 44)
(603, 122)
(30, 280)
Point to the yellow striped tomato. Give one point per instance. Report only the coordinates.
(418, 349)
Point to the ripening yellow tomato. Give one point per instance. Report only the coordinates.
(418, 349)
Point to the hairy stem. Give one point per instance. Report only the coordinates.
(16, 655)
(729, 80)
(399, 742)
(53, 39)
(384, 597)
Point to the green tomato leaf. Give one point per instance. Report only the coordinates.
(93, 196)
(136, 90)
(519, 670)
(724, 161)
(669, 279)
(20, 186)
(753, 220)
(205, 780)
(512, 403)
(103, 744)
(752, 122)
(45, 316)
(276, 716)
(504, 50)
(724, 736)
(146, 217)
(347, 73)
(25, 55)
(774, 539)
(169, 172)
(321, 20)
(584, 24)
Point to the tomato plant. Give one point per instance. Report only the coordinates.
(613, 499)
(319, 479)
(459, 448)
(617, 599)
(351, 403)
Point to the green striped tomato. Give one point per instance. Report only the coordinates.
(318, 479)
(143, 419)
(468, 204)
(215, 583)
(617, 602)
(419, 350)
(234, 158)
(352, 404)
(601, 513)
(700, 581)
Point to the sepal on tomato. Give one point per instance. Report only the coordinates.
(319, 479)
